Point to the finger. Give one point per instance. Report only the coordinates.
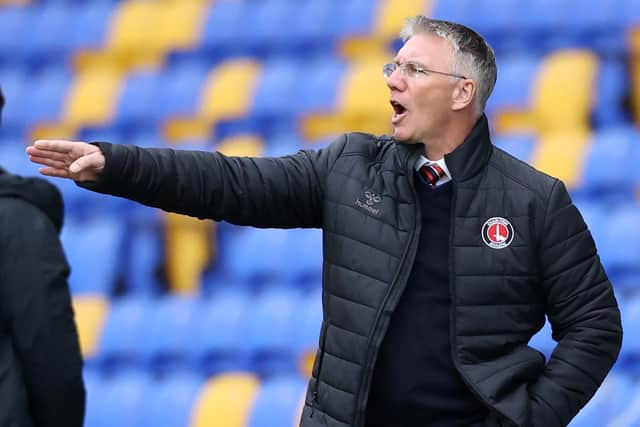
(59, 173)
(48, 162)
(57, 145)
(32, 151)
(90, 161)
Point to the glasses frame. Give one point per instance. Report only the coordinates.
(389, 68)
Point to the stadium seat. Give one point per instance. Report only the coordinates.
(283, 144)
(119, 345)
(307, 318)
(163, 346)
(15, 24)
(564, 74)
(320, 92)
(88, 240)
(90, 313)
(514, 88)
(615, 394)
(225, 401)
(269, 332)
(216, 343)
(14, 84)
(46, 98)
(520, 146)
(276, 402)
(172, 400)
(144, 250)
(561, 154)
(303, 255)
(222, 25)
(611, 92)
(14, 159)
(51, 29)
(141, 91)
(119, 402)
(622, 244)
(264, 249)
(182, 85)
(313, 33)
(93, 19)
(611, 146)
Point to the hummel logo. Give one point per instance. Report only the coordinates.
(370, 199)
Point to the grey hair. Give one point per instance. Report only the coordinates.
(473, 57)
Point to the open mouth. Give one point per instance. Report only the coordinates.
(399, 111)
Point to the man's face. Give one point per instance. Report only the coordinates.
(422, 103)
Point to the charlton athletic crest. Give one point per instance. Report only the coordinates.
(497, 233)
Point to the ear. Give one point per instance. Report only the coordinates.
(463, 94)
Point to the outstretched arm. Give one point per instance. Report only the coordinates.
(263, 192)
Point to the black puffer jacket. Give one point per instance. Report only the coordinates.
(360, 192)
(40, 362)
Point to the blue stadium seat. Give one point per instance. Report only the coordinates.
(255, 257)
(307, 319)
(16, 89)
(595, 216)
(170, 403)
(93, 20)
(223, 25)
(15, 27)
(47, 90)
(520, 146)
(269, 21)
(124, 329)
(312, 32)
(50, 33)
(355, 18)
(276, 94)
(269, 332)
(278, 402)
(120, 400)
(14, 159)
(93, 246)
(322, 79)
(303, 255)
(182, 84)
(612, 146)
(167, 330)
(216, 342)
(515, 84)
(612, 86)
(615, 394)
(543, 341)
(622, 243)
(283, 144)
(141, 91)
(144, 250)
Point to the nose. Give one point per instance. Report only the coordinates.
(396, 80)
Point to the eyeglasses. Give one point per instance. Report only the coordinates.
(412, 70)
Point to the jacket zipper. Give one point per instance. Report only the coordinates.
(390, 298)
(452, 317)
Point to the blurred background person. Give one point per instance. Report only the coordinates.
(41, 383)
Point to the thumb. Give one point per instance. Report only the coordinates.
(90, 161)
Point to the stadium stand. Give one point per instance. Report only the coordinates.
(187, 323)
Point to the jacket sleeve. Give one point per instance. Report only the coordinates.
(262, 192)
(36, 305)
(583, 313)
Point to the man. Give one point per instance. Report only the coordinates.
(442, 253)
(40, 362)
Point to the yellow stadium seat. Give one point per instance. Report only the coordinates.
(227, 94)
(226, 401)
(90, 314)
(189, 251)
(389, 19)
(562, 154)
(92, 97)
(363, 103)
(242, 146)
(562, 97)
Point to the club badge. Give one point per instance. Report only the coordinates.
(497, 232)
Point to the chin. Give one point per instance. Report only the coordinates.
(402, 137)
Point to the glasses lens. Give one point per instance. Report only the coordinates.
(388, 69)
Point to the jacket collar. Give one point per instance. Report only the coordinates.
(465, 161)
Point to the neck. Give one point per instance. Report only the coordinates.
(452, 135)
